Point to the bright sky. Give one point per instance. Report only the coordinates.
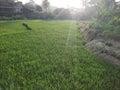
(61, 3)
(117, 0)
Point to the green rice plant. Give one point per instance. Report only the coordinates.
(51, 57)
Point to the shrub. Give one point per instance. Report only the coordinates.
(107, 21)
(14, 17)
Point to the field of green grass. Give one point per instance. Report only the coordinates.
(51, 56)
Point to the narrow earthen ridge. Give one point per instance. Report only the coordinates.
(97, 42)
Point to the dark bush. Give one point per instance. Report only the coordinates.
(14, 17)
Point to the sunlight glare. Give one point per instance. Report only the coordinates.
(60, 3)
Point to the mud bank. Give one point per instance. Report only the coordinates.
(96, 41)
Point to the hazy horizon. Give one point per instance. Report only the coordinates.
(61, 3)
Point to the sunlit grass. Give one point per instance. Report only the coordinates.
(51, 57)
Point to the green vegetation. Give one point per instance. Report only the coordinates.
(108, 21)
(14, 17)
(104, 15)
(51, 57)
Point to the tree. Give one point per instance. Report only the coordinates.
(32, 2)
(61, 13)
(38, 8)
(85, 3)
(30, 5)
(7, 0)
(32, 10)
(103, 4)
(107, 16)
(45, 5)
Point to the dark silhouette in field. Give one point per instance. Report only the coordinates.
(26, 26)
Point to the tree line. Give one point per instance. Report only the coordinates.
(45, 11)
(92, 9)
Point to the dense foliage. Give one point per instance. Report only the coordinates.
(108, 21)
(107, 17)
